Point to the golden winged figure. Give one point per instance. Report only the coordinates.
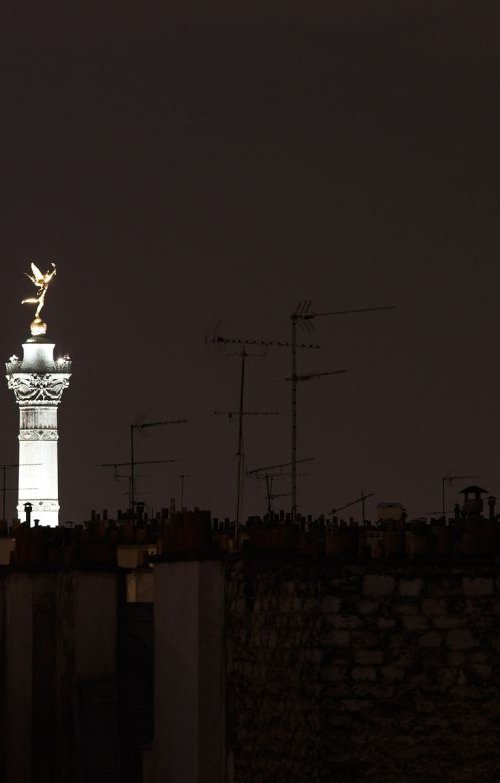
(42, 282)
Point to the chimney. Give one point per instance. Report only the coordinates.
(28, 508)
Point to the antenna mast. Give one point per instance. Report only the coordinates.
(241, 412)
(182, 477)
(362, 499)
(263, 344)
(133, 462)
(303, 316)
(116, 465)
(450, 479)
(265, 473)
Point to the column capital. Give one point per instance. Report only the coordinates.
(38, 388)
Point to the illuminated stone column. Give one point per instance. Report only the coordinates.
(38, 382)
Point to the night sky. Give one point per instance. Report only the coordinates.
(186, 165)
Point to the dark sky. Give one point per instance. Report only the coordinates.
(185, 164)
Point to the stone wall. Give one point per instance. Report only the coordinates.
(363, 672)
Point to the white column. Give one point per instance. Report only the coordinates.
(38, 383)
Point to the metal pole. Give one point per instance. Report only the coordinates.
(363, 498)
(132, 469)
(4, 490)
(444, 497)
(183, 476)
(240, 442)
(269, 487)
(294, 417)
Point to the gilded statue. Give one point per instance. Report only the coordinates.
(42, 282)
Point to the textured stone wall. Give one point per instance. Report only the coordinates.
(366, 672)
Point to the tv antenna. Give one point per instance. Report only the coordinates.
(220, 340)
(142, 426)
(133, 462)
(241, 413)
(270, 494)
(304, 317)
(116, 465)
(362, 499)
(126, 477)
(449, 479)
(268, 473)
(183, 477)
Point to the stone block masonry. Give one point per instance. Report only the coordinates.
(371, 671)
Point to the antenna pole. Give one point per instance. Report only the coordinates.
(183, 477)
(264, 472)
(132, 462)
(240, 442)
(450, 479)
(269, 487)
(362, 498)
(241, 412)
(132, 469)
(304, 316)
(294, 417)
